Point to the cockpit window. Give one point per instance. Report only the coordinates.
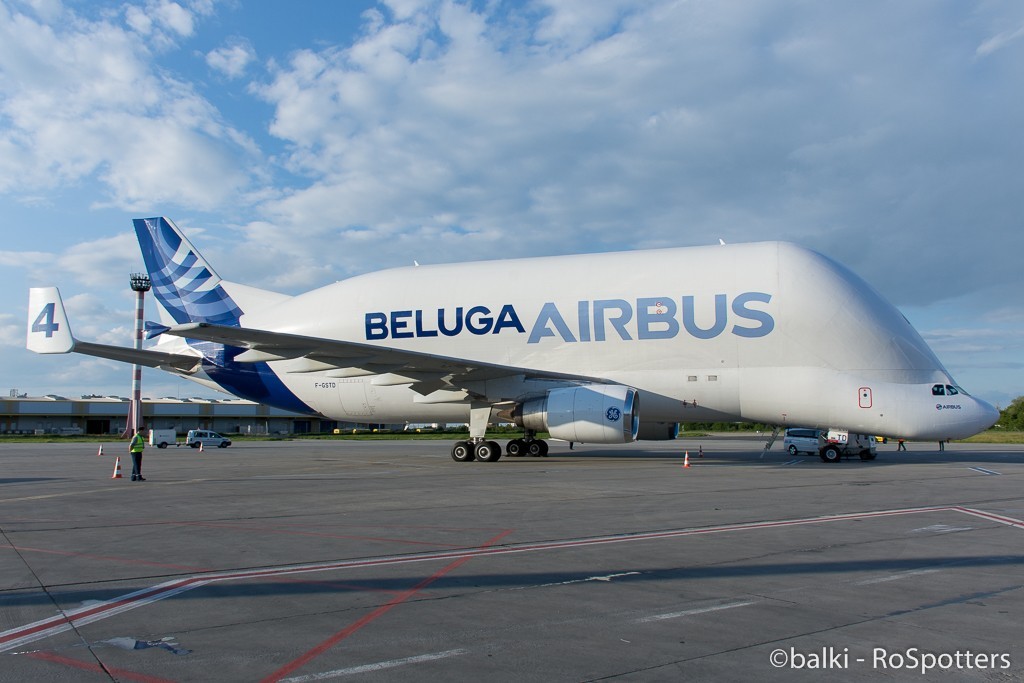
(951, 391)
(938, 390)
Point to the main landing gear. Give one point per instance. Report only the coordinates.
(490, 451)
(482, 450)
(529, 445)
(479, 448)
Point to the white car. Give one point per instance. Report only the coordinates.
(801, 441)
(206, 438)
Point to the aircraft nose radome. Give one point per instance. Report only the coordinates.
(987, 415)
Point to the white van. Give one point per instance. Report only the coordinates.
(206, 438)
(162, 438)
(799, 440)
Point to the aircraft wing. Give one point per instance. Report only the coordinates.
(425, 371)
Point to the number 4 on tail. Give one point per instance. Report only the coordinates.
(46, 315)
(44, 322)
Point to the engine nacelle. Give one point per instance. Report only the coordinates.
(592, 413)
(658, 431)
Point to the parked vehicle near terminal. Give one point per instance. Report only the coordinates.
(197, 437)
(162, 438)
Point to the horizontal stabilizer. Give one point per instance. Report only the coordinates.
(50, 332)
(172, 362)
(153, 329)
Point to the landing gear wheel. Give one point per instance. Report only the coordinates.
(487, 451)
(462, 451)
(831, 454)
(537, 449)
(516, 448)
(793, 450)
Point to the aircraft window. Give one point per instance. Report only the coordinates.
(691, 378)
(938, 390)
(960, 390)
(950, 391)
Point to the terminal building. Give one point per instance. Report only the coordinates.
(52, 414)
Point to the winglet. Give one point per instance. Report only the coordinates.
(48, 328)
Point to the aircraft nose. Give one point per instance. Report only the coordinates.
(986, 413)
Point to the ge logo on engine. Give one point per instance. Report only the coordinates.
(613, 414)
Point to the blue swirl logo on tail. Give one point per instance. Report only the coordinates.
(183, 282)
(191, 292)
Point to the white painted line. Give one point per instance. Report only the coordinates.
(691, 612)
(1009, 521)
(984, 471)
(940, 529)
(606, 579)
(378, 666)
(22, 635)
(793, 462)
(897, 577)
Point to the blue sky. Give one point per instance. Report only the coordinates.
(302, 143)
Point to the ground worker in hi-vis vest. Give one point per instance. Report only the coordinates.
(136, 447)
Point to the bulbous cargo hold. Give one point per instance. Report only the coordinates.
(842, 356)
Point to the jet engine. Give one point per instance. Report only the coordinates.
(591, 413)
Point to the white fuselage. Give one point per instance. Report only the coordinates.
(766, 332)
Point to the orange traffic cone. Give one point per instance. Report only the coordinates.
(117, 469)
(101, 450)
(686, 459)
(200, 446)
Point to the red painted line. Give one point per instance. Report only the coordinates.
(315, 534)
(96, 668)
(372, 616)
(74, 616)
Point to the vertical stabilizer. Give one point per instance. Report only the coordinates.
(183, 282)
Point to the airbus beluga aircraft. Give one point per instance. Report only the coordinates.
(599, 348)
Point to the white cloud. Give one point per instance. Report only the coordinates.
(232, 59)
(174, 16)
(453, 130)
(999, 41)
(12, 331)
(138, 20)
(556, 126)
(81, 99)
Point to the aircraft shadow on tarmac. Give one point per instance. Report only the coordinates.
(949, 456)
(497, 580)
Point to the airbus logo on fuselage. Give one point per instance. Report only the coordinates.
(597, 320)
